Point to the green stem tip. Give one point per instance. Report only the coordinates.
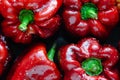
(89, 11)
(25, 17)
(92, 66)
(51, 52)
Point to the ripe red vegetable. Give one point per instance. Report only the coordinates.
(90, 17)
(88, 60)
(35, 65)
(4, 56)
(25, 18)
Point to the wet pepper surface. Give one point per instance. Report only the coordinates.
(24, 19)
(33, 65)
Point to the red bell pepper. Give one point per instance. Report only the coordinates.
(25, 18)
(4, 56)
(90, 17)
(88, 60)
(35, 65)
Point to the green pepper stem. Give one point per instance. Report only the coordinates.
(89, 11)
(92, 66)
(25, 17)
(51, 52)
(92, 14)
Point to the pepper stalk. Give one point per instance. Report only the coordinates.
(51, 52)
(89, 11)
(25, 17)
(92, 66)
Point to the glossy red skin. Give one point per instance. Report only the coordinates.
(71, 57)
(46, 21)
(4, 56)
(34, 66)
(108, 17)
